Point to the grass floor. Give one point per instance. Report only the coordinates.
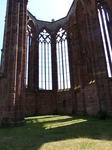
(55, 132)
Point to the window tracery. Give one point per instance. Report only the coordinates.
(45, 61)
(62, 60)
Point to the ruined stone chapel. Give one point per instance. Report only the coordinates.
(57, 67)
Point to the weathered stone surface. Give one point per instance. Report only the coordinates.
(91, 89)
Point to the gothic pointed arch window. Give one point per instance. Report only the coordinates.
(45, 61)
(29, 43)
(104, 19)
(3, 4)
(62, 60)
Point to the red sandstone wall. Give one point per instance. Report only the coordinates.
(82, 101)
(87, 63)
(2, 96)
(87, 100)
(29, 104)
(45, 103)
(64, 102)
(110, 87)
(91, 99)
(79, 100)
(109, 95)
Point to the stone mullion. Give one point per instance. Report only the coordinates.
(54, 63)
(62, 54)
(54, 71)
(35, 56)
(31, 59)
(35, 69)
(31, 63)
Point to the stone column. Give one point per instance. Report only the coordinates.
(12, 85)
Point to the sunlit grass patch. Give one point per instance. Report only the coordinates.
(56, 132)
(78, 144)
(63, 124)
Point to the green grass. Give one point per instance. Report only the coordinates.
(58, 133)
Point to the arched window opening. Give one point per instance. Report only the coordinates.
(45, 61)
(2, 22)
(62, 60)
(29, 42)
(103, 16)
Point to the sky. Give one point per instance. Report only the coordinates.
(42, 9)
(2, 20)
(49, 9)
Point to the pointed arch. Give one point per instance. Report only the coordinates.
(63, 69)
(31, 38)
(45, 60)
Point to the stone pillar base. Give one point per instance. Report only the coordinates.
(11, 122)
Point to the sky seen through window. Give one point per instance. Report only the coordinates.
(42, 9)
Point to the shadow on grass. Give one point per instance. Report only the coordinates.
(44, 129)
